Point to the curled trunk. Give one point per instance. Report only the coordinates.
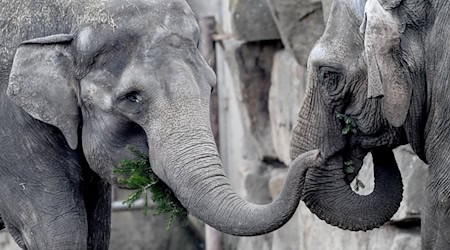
(327, 192)
(331, 198)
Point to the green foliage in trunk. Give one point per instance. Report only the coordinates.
(349, 124)
(137, 174)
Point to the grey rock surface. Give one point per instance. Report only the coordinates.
(300, 23)
(204, 8)
(326, 7)
(252, 20)
(316, 234)
(286, 93)
(251, 65)
(133, 230)
(414, 174)
(7, 242)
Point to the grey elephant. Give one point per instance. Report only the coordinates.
(383, 67)
(80, 80)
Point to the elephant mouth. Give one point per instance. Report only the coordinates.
(387, 137)
(358, 146)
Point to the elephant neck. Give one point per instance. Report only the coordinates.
(415, 126)
(437, 44)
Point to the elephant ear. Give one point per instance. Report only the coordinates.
(43, 84)
(386, 76)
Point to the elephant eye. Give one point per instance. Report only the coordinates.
(133, 97)
(330, 78)
(130, 103)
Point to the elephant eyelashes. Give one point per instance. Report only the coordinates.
(133, 98)
(329, 77)
(130, 103)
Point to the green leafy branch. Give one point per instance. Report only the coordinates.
(349, 124)
(137, 174)
(348, 167)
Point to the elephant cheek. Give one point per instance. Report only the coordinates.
(99, 160)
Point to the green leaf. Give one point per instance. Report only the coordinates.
(340, 116)
(348, 167)
(348, 122)
(137, 174)
(346, 130)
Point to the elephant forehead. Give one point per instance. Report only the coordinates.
(352, 7)
(145, 22)
(341, 37)
(170, 14)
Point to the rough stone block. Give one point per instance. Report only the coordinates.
(7, 242)
(406, 241)
(316, 234)
(414, 173)
(204, 8)
(276, 182)
(256, 185)
(300, 24)
(251, 20)
(287, 237)
(251, 63)
(286, 93)
(134, 230)
(326, 7)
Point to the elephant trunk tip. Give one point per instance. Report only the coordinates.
(336, 203)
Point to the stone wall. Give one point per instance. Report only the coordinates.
(261, 81)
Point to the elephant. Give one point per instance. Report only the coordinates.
(81, 81)
(382, 67)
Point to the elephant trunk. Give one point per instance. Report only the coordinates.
(331, 198)
(326, 191)
(188, 162)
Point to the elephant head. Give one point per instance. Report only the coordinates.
(137, 78)
(360, 72)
